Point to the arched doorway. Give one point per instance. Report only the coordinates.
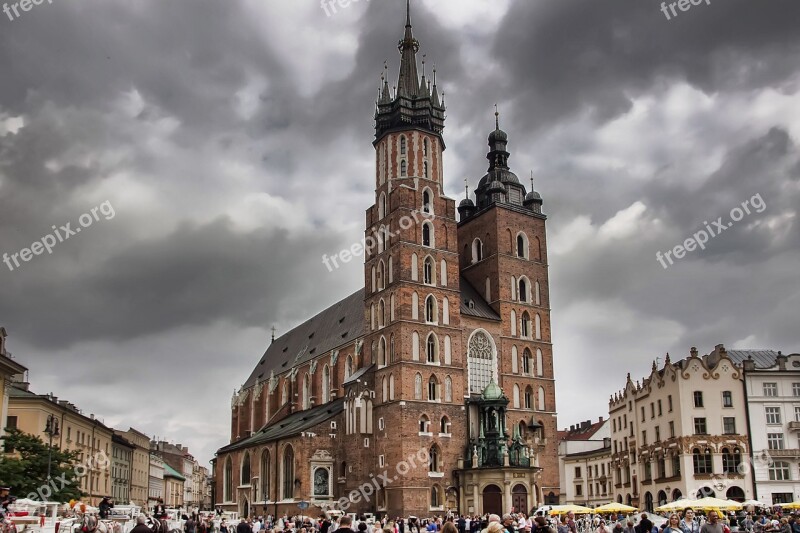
(648, 502)
(662, 498)
(551, 499)
(735, 493)
(706, 492)
(676, 495)
(629, 500)
(619, 498)
(519, 499)
(492, 500)
(245, 508)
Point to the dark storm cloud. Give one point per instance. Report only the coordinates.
(236, 153)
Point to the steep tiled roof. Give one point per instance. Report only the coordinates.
(584, 431)
(336, 326)
(762, 358)
(480, 308)
(290, 426)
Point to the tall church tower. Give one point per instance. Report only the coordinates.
(412, 294)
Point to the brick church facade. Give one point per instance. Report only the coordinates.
(431, 389)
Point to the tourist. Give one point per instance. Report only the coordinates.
(190, 526)
(601, 527)
(713, 525)
(673, 525)
(242, 527)
(688, 524)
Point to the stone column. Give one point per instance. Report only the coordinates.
(506, 496)
(475, 495)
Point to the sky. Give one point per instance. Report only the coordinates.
(226, 146)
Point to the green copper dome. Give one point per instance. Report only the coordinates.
(492, 391)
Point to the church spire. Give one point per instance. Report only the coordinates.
(408, 82)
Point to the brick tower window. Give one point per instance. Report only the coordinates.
(481, 359)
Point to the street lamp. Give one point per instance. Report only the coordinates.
(51, 428)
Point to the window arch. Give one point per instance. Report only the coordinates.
(537, 249)
(264, 474)
(288, 472)
(427, 235)
(522, 245)
(391, 348)
(391, 308)
(431, 310)
(381, 275)
(244, 475)
(348, 367)
(427, 200)
(415, 346)
(524, 288)
(391, 270)
(414, 268)
(515, 396)
(374, 280)
(434, 459)
(528, 397)
(428, 271)
(382, 352)
(443, 276)
(372, 316)
(444, 425)
(432, 348)
(391, 386)
(436, 497)
(448, 350)
(513, 322)
(326, 384)
(381, 314)
(425, 169)
(418, 386)
(448, 389)
(382, 206)
(228, 496)
(541, 405)
(538, 325)
(306, 392)
(424, 423)
(481, 360)
(477, 250)
(527, 362)
(433, 389)
(414, 306)
(526, 325)
(537, 294)
(514, 360)
(539, 363)
(445, 311)
(514, 288)
(403, 145)
(384, 389)
(285, 392)
(425, 147)
(403, 168)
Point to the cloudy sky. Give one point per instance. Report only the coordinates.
(232, 140)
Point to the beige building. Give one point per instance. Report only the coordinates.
(173, 487)
(70, 430)
(156, 491)
(140, 465)
(681, 432)
(8, 369)
(584, 461)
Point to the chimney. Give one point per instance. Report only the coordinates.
(91, 416)
(601, 419)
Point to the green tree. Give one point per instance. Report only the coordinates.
(24, 468)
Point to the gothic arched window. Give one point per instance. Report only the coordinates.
(481, 361)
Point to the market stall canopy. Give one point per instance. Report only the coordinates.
(615, 508)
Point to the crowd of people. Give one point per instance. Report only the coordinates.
(685, 522)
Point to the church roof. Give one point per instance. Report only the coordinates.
(293, 424)
(336, 326)
(479, 308)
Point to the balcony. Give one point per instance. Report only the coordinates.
(790, 452)
(794, 425)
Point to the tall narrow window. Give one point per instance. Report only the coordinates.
(326, 384)
(427, 271)
(288, 473)
(403, 168)
(523, 290)
(418, 387)
(426, 197)
(433, 389)
(481, 361)
(402, 145)
(528, 397)
(425, 169)
(430, 309)
(425, 147)
(526, 325)
(432, 349)
(427, 234)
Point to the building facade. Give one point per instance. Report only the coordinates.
(681, 432)
(772, 383)
(174, 487)
(584, 462)
(439, 370)
(121, 460)
(156, 481)
(10, 371)
(61, 423)
(140, 465)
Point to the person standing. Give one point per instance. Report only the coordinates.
(713, 525)
(688, 524)
(190, 526)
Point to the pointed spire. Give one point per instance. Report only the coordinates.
(496, 117)
(466, 186)
(273, 333)
(532, 180)
(408, 82)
